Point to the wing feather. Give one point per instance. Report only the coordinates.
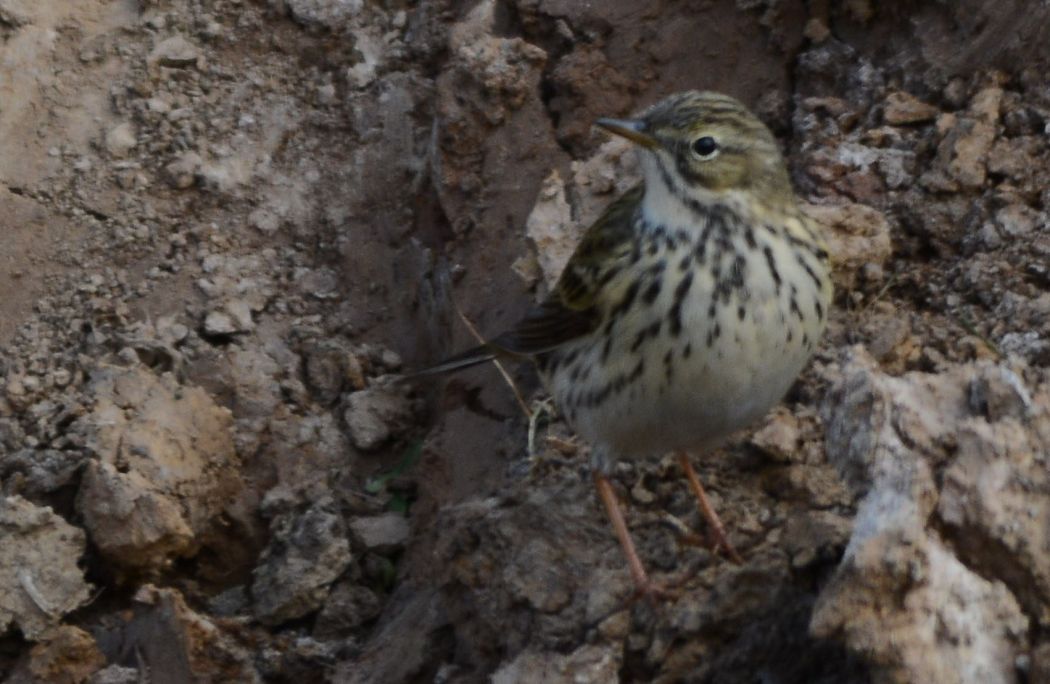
(575, 306)
(577, 303)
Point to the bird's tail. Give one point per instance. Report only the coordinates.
(471, 357)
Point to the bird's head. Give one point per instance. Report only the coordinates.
(706, 146)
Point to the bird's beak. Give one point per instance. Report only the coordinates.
(632, 129)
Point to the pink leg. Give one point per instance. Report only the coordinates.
(717, 529)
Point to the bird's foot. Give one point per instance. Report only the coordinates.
(654, 593)
(714, 523)
(719, 545)
(710, 541)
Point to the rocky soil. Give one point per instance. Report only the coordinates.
(228, 226)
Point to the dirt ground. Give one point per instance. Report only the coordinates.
(226, 227)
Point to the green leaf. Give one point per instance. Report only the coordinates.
(411, 457)
(399, 504)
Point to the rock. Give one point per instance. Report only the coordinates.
(897, 167)
(962, 154)
(780, 436)
(1030, 345)
(816, 30)
(168, 637)
(265, 221)
(1017, 220)
(589, 664)
(525, 569)
(158, 105)
(181, 172)
(222, 177)
(121, 139)
(333, 14)
(550, 227)
(500, 64)
(131, 523)
(536, 574)
(389, 360)
(862, 186)
(16, 13)
(956, 627)
(890, 338)
(400, 647)
(307, 453)
(211, 28)
(115, 674)
(326, 93)
(563, 211)
(230, 603)
(641, 494)
(67, 655)
(902, 108)
(605, 603)
(240, 311)
(382, 534)
(371, 46)
(816, 536)
(302, 656)
(1016, 157)
(320, 283)
(306, 553)
(611, 171)
(999, 392)
(42, 471)
(253, 377)
(348, 607)
(39, 578)
(174, 52)
(996, 491)
(233, 318)
(375, 415)
(969, 150)
(587, 84)
(165, 467)
(814, 484)
(485, 103)
(329, 369)
(219, 323)
(857, 235)
(15, 390)
(989, 237)
(986, 104)
(239, 287)
(915, 605)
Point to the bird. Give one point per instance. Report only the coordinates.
(688, 308)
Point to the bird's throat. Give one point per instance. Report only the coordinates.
(672, 207)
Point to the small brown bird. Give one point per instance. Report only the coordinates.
(688, 308)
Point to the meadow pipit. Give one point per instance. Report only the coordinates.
(689, 307)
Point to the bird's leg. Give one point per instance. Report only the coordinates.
(612, 508)
(644, 586)
(717, 529)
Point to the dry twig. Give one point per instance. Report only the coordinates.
(506, 376)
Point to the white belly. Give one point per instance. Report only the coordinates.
(692, 389)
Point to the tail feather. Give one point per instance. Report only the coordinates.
(471, 357)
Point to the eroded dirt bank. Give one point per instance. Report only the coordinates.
(225, 226)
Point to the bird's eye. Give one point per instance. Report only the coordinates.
(705, 147)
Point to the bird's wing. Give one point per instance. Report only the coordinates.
(574, 308)
(544, 328)
(575, 305)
